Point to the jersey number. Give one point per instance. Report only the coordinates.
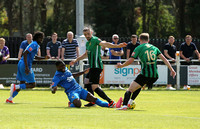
(150, 55)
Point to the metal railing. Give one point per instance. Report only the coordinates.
(82, 63)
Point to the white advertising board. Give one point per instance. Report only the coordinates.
(193, 75)
(127, 74)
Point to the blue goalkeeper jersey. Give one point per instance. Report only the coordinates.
(33, 49)
(66, 80)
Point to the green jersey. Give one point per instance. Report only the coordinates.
(94, 52)
(148, 56)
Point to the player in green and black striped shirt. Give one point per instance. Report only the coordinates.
(149, 73)
(93, 52)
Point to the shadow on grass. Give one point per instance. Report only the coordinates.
(16, 103)
(68, 107)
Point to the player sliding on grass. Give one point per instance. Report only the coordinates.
(149, 74)
(93, 52)
(24, 71)
(74, 91)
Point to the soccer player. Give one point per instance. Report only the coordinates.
(93, 52)
(149, 74)
(24, 71)
(73, 90)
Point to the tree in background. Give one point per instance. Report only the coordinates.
(160, 18)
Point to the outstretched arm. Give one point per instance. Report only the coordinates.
(78, 58)
(40, 57)
(80, 73)
(128, 62)
(110, 45)
(173, 73)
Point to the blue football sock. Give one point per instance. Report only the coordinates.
(22, 86)
(101, 103)
(14, 94)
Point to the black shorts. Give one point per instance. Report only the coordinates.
(94, 75)
(142, 80)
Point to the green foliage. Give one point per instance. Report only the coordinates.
(165, 24)
(3, 23)
(106, 17)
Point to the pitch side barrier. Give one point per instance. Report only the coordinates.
(45, 69)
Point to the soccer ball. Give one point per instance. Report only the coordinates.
(132, 105)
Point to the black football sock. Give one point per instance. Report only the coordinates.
(135, 94)
(102, 94)
(89, 88)
(127, 96)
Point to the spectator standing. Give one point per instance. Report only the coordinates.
(54, 47)
(116, 53)
(4, 54)
(131, 47)
(187, 50)
(25, 43)
(70, 48)
(4, 51)
(170, 53)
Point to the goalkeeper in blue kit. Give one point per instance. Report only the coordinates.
(74, 91)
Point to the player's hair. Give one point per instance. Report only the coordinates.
(58, 62)
(115, 35)
(188, 36)
(37, 35)
(133, 36)
(144, 36)
(54, 33)
(2, 39)
(86, 29)
(171, 37)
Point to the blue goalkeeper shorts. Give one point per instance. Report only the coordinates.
(22, 76)
(79, 93)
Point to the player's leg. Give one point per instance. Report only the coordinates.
(94, 78)
(29, 79)
(77, 103)
(85, 95)
(135, 86)
(22, 77)
(88, 85)
(13, 90)
(74, 99)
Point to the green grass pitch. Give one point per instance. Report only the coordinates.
(35, 109)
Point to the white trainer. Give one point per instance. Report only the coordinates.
(1, 86)
(122, 108)
(186, 87)
(112, 87)
(119, 88)
(170, 88)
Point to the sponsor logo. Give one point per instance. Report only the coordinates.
(126, 71)
(37, 70)
(30, 49)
